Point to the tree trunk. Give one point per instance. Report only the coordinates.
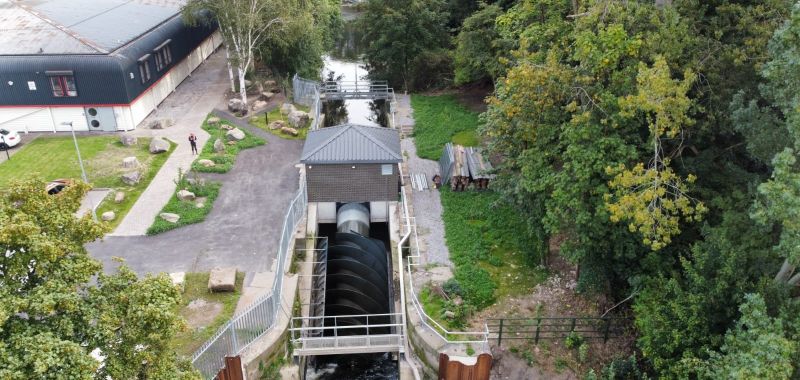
(786, 270)
(242, 87)
(230, 69)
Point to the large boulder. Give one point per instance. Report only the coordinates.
(254, 89)
(235, 134)
(170, 217)
(287, 108)
(267, 95)
(277, 124)
(132, 178)
(127, 140)
(222, 280)
(130, 162)
(186, 195)
(119, 197)
(236, 105)
(289, 131)
(108, 216)
(298, 119)
(213, 121)
(206, 162)
(158, 145)
(219, 146)
(259, 104)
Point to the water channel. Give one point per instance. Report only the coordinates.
(345, 63)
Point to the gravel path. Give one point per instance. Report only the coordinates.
(426, 205)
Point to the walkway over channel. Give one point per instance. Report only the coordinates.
(343, 90)
(373, 333)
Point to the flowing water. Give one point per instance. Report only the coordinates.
(345, 63)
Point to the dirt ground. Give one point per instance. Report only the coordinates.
(201, 313)
(551, 359)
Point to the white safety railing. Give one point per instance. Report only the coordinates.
(255, 321)
(345, 334)
(479, 338)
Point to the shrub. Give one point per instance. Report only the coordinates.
(573, 340)
(452, 288)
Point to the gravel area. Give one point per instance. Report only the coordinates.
(426, 205)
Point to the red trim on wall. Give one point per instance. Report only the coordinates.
(118, 104)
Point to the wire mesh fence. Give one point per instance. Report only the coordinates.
(244, 328)
(306, 92)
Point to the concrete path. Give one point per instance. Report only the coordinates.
(91, 201)
(426, 204)
(188, 106)
(244, 226)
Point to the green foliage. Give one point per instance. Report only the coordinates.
(439, 120)
(757, 348)
(397, 32)
(476, 53)
(223, 161)
(477, 224)
(57, 306)
(188, 210)
(452, 288)
(573, 340)
(306, 36)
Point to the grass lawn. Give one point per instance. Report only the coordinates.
(439, 120)
(188, 211)
(54, 157)
(275, 115)
(196, 288)
(492, 254)
(224, 161)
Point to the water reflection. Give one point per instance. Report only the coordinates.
(345, 63)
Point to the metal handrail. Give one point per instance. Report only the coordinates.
(411, 230)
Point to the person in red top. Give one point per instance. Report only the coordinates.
(193, 142)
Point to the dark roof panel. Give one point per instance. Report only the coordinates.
(350, 143)
(79, 26)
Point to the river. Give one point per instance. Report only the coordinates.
(345, 63)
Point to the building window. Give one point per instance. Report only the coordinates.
(63, 86)
(144, 69)
(386, 169)
(163, 55)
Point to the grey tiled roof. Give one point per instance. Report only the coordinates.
(350, 143)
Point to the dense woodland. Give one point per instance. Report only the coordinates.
(654, 140)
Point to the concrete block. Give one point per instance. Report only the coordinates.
(222, 280)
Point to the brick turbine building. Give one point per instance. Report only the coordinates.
(352, 163)
(103, 65)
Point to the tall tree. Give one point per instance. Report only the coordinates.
(244, 24)
(53, 316)
(397, 32)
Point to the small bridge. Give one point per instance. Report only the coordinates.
(342, 90)
(347, 334)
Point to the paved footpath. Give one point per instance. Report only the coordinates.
(427, 205)
(188, 107)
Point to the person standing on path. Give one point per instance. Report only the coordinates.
(193, 142)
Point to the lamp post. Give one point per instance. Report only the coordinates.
(80, 162)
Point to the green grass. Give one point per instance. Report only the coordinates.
(189, 213)
(489, 246)
(224, 161)
(55, 157)
(439, 120)
(196, 287)
(274, 115)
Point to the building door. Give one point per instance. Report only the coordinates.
(101, 119)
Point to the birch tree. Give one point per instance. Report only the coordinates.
(243, 24)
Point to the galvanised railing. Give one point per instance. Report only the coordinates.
(255, 321)
(307, 93)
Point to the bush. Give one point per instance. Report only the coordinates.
(573, 340)
(432, 69)
(189, 213)
(452, 288)
(223, 161)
